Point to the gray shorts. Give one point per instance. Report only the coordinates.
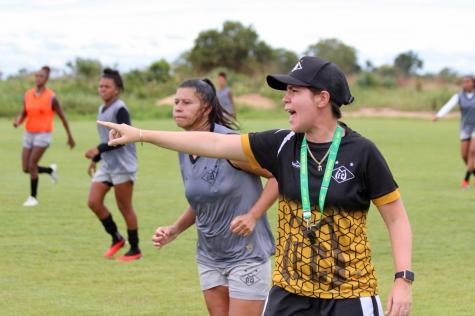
(102, 175)
(467, 131)
(247, 280)
(36, 139)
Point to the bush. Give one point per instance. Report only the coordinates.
(369, 79)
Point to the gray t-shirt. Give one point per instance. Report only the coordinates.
(218, 192)
(467, 109)
(120, 160)
(225, 100)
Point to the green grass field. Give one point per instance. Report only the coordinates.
(52, 254)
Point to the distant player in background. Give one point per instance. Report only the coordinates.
(234, 269)
(466, 101)
(39, 107)
(224, 94)
(118, 169)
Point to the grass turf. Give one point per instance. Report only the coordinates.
(52, 254)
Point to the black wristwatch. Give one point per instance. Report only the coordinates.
(405, 275)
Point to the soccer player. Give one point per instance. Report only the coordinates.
(234, 269)
(466, 101)
(225, 95)
(328, 175)
(39, 106)
(117, 170)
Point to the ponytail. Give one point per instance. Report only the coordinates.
(207, 93)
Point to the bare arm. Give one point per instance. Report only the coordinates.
(205, 144)
(244, 224)
(166, 234)
(57, 108)
(397, 222)
(184, 222)
(20, 117)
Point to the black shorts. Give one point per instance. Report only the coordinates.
(282, 303)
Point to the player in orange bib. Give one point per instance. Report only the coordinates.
(39, 107)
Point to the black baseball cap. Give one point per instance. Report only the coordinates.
(315, 73)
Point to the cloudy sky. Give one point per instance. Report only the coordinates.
(133, 33)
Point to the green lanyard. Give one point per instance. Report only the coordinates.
(326, 176)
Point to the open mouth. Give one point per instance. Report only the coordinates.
(291, 112)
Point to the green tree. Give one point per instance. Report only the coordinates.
(84, 67)
(407, 63)
(386, 71)
(235, 47)
(159, 71)
(283, 60)
(448, 75)
(135, 77)
(335, 51)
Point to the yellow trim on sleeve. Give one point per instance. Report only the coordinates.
(387, 198)
(246, 147)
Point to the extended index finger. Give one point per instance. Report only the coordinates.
(107, 124)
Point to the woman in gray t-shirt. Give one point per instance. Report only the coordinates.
(117, 170)
(466, 101)
(227, 204)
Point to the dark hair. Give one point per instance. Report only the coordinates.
(47, 69)
(115, 76)
(222, 74)
(207, 93)
(336, 110)
(471, 78)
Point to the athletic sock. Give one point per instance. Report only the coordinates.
(467, 175)
(34, 187)
(133, 235)
(47, 170)
(111, 228)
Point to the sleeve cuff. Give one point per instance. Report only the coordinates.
(387, 198)
(96, 158)
(246, 147)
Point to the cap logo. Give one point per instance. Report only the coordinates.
(298, 66)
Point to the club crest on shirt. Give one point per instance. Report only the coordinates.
(342, 174)
(210, 175)
(296, 164)
(250, 278)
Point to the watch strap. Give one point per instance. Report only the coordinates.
(406, 275)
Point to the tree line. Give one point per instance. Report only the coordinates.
(238, 48)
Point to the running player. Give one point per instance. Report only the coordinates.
(39, 106)
(225, 95)
(328, 175)
(118, 169)
(234, 269)
(466, 101)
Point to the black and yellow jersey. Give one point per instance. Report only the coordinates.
(338, 263)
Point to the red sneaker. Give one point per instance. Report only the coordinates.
(114, 248)
(130, 256)
(464, 184)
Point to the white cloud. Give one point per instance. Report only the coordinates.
(135, 33)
